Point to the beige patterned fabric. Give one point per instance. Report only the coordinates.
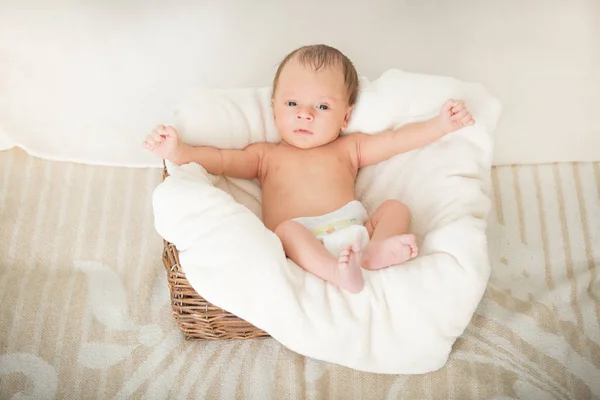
(85, 306)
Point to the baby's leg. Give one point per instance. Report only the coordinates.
(308, 252)
(390, 243)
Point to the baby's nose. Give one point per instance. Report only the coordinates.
(303, 113)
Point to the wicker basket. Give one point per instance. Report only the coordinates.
(196, 317)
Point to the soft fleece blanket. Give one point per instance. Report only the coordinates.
(408, 317)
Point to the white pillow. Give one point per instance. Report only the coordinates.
(408, 317)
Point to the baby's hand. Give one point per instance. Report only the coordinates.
(164, 142)
(454, 115)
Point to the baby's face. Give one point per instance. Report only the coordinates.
(310, 107)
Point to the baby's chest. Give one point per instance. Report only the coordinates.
(311, 166)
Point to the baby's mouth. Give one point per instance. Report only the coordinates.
(302, 131)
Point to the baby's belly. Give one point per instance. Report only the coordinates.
(287, 202)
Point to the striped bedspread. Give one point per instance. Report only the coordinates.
(85, 306)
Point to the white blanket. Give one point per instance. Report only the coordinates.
(408, 317)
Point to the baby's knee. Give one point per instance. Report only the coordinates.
(283, 229)
(396, 207)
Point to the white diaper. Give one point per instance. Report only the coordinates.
(339, 228)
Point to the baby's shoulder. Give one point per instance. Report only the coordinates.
(348, 141)
(260, 148)
(349, 144)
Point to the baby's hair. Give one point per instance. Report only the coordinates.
(322, 56)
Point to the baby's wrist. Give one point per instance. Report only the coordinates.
(436, 127)
(180, 154)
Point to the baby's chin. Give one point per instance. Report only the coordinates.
(299, 145)
(307, 140)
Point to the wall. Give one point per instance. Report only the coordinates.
(78, 78)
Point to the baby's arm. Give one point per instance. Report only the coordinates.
(164, 142)
(243, 164)
(372, 149)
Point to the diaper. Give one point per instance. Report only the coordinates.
(339, 228)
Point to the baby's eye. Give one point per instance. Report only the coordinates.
(291, 103)
(323, 107)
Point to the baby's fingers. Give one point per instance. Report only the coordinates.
(447, 107)
(159, 129)
(457, 107)
(460, 115)
(150, 140)
(149, 144)
(157, 137)
(154, 139)
(170, 132)
(468, 120)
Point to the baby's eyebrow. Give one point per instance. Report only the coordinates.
(321, 98)
(328, 99)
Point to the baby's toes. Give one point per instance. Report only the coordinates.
(414, 249)
(408, 239)
(344, 256)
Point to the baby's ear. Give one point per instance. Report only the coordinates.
(347, 117)
(273, 108)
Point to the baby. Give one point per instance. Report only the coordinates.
(308, 179)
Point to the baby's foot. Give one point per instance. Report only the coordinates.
(349, 273)
(391, 251)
